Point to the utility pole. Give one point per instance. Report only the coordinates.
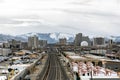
(91, 76)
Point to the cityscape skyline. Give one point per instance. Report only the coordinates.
(91, 17)
(59, 39)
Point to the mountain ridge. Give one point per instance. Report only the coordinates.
(51, 37)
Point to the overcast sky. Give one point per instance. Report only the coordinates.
(91, 17)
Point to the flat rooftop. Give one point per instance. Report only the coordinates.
(96, 57)
(69, 53)
(77, 57)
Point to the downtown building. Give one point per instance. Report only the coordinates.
(14, 44)
(33, 42)
(5, 51)
(99, 41)
(81, 40)
(42, 43)
(62, 41)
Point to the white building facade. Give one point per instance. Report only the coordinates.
(5, 52)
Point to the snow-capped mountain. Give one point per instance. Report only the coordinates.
(4, 38)
(51, 37)
(116, 38)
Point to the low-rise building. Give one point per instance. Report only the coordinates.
(5, 52)
(24, 45)
(42, 43)
(6, 45)
(14, 44)
(62, 41)
(99, 41)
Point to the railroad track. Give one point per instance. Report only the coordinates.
(53, 69)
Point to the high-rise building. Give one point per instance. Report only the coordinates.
(98, 41)
(33, 42)
(62, 41)
(78, 39)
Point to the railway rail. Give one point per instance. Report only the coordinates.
(53, 69)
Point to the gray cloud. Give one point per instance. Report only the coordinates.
(85, 2)
(73, 16)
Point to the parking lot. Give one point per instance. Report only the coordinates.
(3, 67)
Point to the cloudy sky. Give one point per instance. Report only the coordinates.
(91, 17)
